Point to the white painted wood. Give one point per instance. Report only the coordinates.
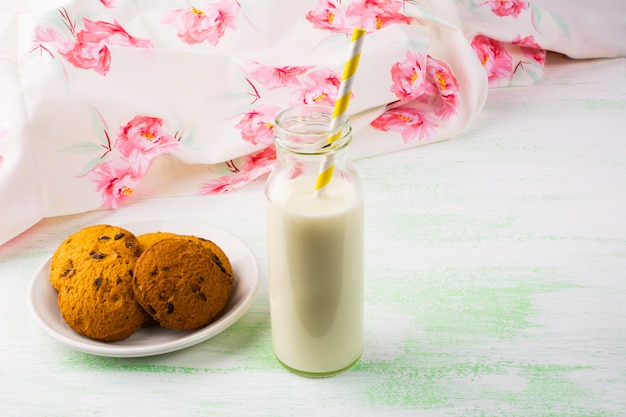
(496, 282)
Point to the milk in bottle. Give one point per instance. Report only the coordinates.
(315, 249)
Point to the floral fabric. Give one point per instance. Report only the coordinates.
(104, 101)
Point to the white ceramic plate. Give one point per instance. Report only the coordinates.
(154, 340)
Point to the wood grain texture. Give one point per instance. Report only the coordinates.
(495, 282)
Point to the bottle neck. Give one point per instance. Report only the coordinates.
(308, 130)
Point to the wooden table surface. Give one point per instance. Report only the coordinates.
(495, 282)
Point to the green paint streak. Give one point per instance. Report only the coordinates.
(449, 228)
(89, 362)
(249, 338)
(458, 386)
(605, 104)
(492, 303)
(470, 319)
(259, 355)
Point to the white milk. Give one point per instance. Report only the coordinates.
(316, 275)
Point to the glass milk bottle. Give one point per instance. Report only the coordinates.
(315, 246)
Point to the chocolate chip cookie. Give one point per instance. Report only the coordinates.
(179, 282)
(148, 239)
(92, 270)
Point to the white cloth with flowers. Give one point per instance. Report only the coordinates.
(106, 101)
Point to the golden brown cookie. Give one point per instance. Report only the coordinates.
(90, 243)
(148, 239)
(178, 282)
(92, 272)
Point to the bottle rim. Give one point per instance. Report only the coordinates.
(305, 129)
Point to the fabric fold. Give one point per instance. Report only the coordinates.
(99, 94)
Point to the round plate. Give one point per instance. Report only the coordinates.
(154, 340)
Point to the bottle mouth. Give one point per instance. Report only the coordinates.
(306, 129)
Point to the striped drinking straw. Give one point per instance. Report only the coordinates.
(341, 104)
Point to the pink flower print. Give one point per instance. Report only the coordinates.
(321, 87)
(530, 49)
(89, 48)
(276, 77)
(143, 138)
(410, 122)
(528, 41)
(262, 161)
(507, 7)
(409, 77)
(254, 166)
(257, 125)
(46, 35)
(195, 25)
(224, 184)
(116, 180)
(89, 56)
(327, 16)
(109, 33)
(425, 79)
(493, 57)
(108, 3)
(90, 51)
(446, 102)
(372, 15)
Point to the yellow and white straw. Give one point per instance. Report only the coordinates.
(341, 104)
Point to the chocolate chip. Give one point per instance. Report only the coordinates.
(201, 295)
(119, 236)
(170, 308)
(219, 264)
(98, 255)
(151, 310)
(129, 245)
(98, 282)
(68, 273)
(104, 237)
(154, 272)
